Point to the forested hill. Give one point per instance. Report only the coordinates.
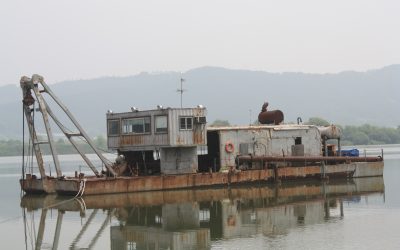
(347, 98)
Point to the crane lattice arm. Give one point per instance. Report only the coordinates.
(37, 85)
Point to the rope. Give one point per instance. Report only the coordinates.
(26, 238)
(33, 229)
(82, 186)
(23, 143)
(82, 203)
(33, 129)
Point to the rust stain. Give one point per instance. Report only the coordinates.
(179, 140)
(198, 137)
(132, 140)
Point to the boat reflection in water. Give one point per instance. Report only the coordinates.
(192, 219)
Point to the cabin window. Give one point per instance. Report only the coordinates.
(297, 141)
(186, 123)
(161, 123)
(136, 125)
(113, 127)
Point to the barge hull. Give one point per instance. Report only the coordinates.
(111, 185)
(275, 194)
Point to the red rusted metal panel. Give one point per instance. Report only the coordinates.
(298, 172)
(127, 140)
(198, 137)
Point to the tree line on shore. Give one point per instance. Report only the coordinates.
(351, 135)
(14, 147)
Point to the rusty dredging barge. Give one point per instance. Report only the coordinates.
(172, 148)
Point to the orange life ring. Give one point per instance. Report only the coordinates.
(229, 147)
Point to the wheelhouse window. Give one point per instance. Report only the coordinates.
(186, 123)
(113, 127)
(161, 124)
(136, 125)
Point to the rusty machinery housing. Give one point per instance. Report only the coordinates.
(172, 148)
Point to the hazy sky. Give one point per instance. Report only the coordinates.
(64, 40)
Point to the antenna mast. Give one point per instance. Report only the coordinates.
(181, 90)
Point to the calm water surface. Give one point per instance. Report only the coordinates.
(356, 214)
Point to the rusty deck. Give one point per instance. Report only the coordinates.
(110, 185)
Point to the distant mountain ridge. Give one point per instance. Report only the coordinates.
(348, 98)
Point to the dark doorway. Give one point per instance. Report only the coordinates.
(211, 161)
